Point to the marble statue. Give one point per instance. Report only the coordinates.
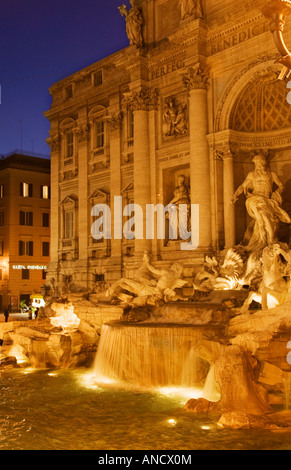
(150, 285)
(179, 208)
(175, 119)
(263, 203)
(190, 8)
(134, 22)
(273, 289)
(225, 275)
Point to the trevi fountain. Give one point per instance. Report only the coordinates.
(167, 372)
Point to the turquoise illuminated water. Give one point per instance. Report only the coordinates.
(64, 410)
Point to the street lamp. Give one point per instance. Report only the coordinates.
(276, 11)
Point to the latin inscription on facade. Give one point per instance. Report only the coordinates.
(167, 68)
(237, 38)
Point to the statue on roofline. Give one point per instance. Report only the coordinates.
(134, 22)
(191, 8)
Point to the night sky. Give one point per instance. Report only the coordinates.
(41, 42)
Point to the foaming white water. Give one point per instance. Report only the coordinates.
(150, 357)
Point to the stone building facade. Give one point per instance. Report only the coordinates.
(24, 227)
(195, 94)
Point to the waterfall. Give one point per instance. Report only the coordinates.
(211, 387)
(150, 356)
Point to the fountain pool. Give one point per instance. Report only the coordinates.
(68, 410)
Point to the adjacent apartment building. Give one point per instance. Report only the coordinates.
(24, 227)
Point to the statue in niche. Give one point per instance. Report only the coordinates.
(134, 22)
(191, 8)
(175, 119)
(179, 209)
(263, 203)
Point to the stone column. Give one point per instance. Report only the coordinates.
(54, 141)
(82, 136)
(196, 81)
(142, 101)
(114, 265)
(229, 207)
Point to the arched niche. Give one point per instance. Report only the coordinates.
(253, 115)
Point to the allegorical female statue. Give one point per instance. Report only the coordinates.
(263, 190)
(179, 209)
(191, 8)
(134, 22)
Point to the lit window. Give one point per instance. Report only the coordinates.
(69, 225)
(100, 134)
(26, 189)
(45, 192)
(1, 190)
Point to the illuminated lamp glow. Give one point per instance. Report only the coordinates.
(184, 393)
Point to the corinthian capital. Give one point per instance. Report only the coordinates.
(196, 78)
(142, 99)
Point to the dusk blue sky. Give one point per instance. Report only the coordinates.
(41, 42)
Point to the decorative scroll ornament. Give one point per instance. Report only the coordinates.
(115, 121)
(54, 141)
(144, 99)
(83, 132)
(196, 78)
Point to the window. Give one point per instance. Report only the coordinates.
(99, 278)
(1, 275)
(1, 219)
(98, 78)
(2, 190)
(69, 92)
(25, 273)
(45, 192)
(100, 138)
(45, 249)
(25, 248)
(69, 224)
(43, 274)
(26, 218)
(45, 220)
(26, 189)
(130, 125)
(1, 247)
(69, 144)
